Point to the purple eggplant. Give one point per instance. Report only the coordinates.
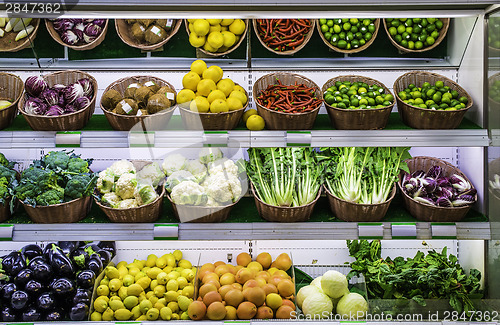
(47, 249)
(78, 312)
(85, 279)
(60, 263)
(31, 251)
(91, 248)
(68, 247)
(42, 271)
(82, 295)
(8, 314)
(62, 286)
(80, 257)
(31, 314)
(105, 256)
(13, 263)
(19, 300)
(23, 277)
(7, 291)
(95, 264)
(33, 288)
(55, 315)
(45, 301)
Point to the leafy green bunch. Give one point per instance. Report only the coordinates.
(7, 178)
(58, 177)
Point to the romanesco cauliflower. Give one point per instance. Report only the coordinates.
(125, 186)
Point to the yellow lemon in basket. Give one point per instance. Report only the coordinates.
(213, 73)
(239, 88)
(201, 27)
(224, 28)
(215, 28)
(200, 104)
(198, 66)
(226, 22)
(216, 94)
(249, 113)
(226, 85)
(185, 264)
(190, 81)
(219, 106)
(205, 86)
(255, 123)
(196, 40)
(191, 20)
(215, 39)
(237, 27)
(234, 104)
(229, 38)
(177, 253)
(239, 95)
(185, 95)
(190, 27)
(207, 47)
(214, 22)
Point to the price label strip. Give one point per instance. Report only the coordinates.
(6, 232)
(166, 231)
(444, 230)
(404, 230)
(298, 138)
(370, 230)
(142, 139)
(215, 139)
(68, 139)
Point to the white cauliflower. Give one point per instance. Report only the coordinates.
(106, 181)
(189, 193)
(174, 163)
(125, 186)
(198, 170)
(178, 177)
(127, 204)
(121, 167)
(151, 174)
(223, 165)
(222, 188)
(210, 154)
(111, 199)
(145, 194)
(211, 202)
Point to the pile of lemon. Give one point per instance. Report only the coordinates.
(158, 288)
(205, 91)
(215, 35)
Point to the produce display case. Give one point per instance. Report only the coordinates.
(319, 244)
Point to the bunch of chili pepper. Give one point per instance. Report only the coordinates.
(297, 98)
(283, 34)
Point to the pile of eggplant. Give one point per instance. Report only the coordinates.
(53, 282)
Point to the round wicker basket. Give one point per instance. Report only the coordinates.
(26, 42)
(69, 212)
(288, 52)
(55, 35)
(356, 50)
(123, 31)
(285, 121)
(358, 119)
(11, 89)
(201, 214)
(423, 118)
(67, 122)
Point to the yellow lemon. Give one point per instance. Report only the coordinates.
(198, 66)
(207, 47)
(215, 28)
(226, 22)
(224, 28)
(177, 253)
(188, 274)
(214, 22)
(191, 20)
(166, 313)
(219, 106)
(172, 285)
(237, 27)
(200, 104)
(229, 38)
(226, 85)
(239, 95)
(215, 39)
(190, 27)
(184, 96)
(171, 296)
(213, 73)
(249, 113)
(190, 81)
(188, 291)
(185, 264)
(255, 123)
(182, 282)
(239, 88)
(196, 40)
(216, 94)
(233, 104)
(205, 86)
(201, 27)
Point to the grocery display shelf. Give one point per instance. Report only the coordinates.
(98, 134)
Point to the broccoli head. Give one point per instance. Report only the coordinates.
(78, 186)
(78, 165)
(56, 159)
(51, 197)
(32, 173)
(48, 179)
(26, 189)
(4, 189)
(5, 162)
(8, 173)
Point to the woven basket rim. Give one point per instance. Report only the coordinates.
(52, 205)
(18, 79)
(396, 91)
(432, 206)
(160, 196)
(389, 198)
(167, 195)
(288, 52)
(151, 47)
(446, 25)
(294, 75)
(356, 50)
(56, 37)
(229, 50)
(26, 42)
(93, 99)
(285, 208)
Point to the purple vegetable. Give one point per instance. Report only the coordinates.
(88, 39)
(35, 85)
(444, 202)
(59, 88)
(421, 192)
(92, 30)
(446, 192)
(61, 101)
(50, 96)
(77, 21)
(54, 110)
(69, 37)
(411, 186)
(434, 172)
(463, 200)
(88, 20)
(72, 92)
(35, 106)
(62, 25)
(80, 25)
(424, 200)
(459, 183)
(430, 184)
(443, 181)
(88, 89)
(81, 103)
(78, 33)
(418, 174)
(100, 22)
(69, 109)
(472, 192)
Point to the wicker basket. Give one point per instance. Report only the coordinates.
(11, 89)
(55, 35)
(125, 122)
(231, 49)
(285, 121)
(288, 52)
(284, 214)
(67, 122)
(68, 212)
(356, 50)
(26, 42)
(442, 35)
(423, 118)
(211, 121)
(200, 214)
(424, 212)
(145, 213)
(123, 30)
(356, 212)
(358, 119)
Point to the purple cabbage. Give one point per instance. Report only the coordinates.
(434, 172)
(444, 202)
(81, 103)
(78, 33)
(35, 85)
(72, 92)
(459, 183)
(62, 25)
(100, 22)
(69, 37)
(88, 89)
(51, 97)
(54, 110)
(35, 106)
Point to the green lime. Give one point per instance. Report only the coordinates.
(439, 24)
(322, 21)
(463, 99)
(328, 36)
(401, 29)
(439, 84)
(346, 26)
(329, 23)
(337, 29)
(324, 28)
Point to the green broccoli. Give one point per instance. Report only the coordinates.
(4, 189)
(4, 161)
(8, 173)
(56, 159)
(26, 189)
(32, 173)
(48, 180)
(78, 165)
(79, 186)
(50, 197)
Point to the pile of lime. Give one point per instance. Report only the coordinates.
(435, 97)
(414, 33)
(357, 95)
(494, 91)
(347, 33)
(494, 32)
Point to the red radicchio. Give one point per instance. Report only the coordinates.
(88, 89)
(54, 110)
(35, 85)
(69, 37)
(58, 87)
(51, 97)
(62, 25)
(81, 103)
(78, 33)
(100, 22)
(69, 109)
(72, 92)
(34, 106)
